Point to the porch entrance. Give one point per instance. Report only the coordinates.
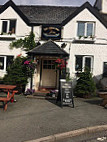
(49, 74)
(46, 76)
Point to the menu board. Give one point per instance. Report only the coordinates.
(66, 93)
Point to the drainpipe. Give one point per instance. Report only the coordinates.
(31, 82)
(32, 57)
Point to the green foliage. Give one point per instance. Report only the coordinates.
(85, 84)
(18, 73)
(26, 44)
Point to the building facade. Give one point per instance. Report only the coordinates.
(80, 31)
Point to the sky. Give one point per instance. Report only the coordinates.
(50, 2)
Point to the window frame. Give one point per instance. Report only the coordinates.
(8, 26)
(83, 62)
(4, 69)
(5, 62)
(49, 64)
(85, 28)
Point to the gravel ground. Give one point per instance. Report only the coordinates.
(29, 119)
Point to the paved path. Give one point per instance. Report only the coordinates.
(29, 119)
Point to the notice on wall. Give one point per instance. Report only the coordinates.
(66, 93)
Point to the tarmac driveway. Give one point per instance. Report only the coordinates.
(29, 119)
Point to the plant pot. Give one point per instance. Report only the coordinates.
(87, 96)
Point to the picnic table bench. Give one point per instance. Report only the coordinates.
(9, 98)
(10, 95)
(104, 96)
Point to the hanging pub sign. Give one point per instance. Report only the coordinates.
(66, 93)
(51, 32)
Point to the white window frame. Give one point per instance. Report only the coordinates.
(85, 30)
(8, 24)
(4, 63)
(83, 65)
(83, 62)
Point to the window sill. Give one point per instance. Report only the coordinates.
(8, 37)
(84, 40)
(3, 71)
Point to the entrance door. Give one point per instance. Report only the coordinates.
(49, 74)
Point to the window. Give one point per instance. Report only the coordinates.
(105, 70)
(82, 62)
(2, 61)
(86, 29)
(8, 26)
(48, 64)
(5, 62)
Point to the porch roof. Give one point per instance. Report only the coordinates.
(48, 48)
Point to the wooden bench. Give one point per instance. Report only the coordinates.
(9, 98)
(104, 96)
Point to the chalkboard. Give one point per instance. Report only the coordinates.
(66, 93)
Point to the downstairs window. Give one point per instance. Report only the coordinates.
(5, 62)
(82, 62)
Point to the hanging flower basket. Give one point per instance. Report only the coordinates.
(60, 63)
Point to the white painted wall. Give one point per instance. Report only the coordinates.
(98, 50)
(70, 29)
(22, 30)
(37, 31)
(104, 6)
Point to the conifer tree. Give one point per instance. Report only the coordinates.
(85, 84)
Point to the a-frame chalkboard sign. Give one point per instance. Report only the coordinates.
(66, 91)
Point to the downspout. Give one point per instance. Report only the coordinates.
(32, 57)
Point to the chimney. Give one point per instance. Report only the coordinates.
(101, 5)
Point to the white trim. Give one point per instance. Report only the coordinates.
(85, 29)
(4, 64)
(84, 57)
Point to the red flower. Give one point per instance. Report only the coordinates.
(60, 63)
(19, 55)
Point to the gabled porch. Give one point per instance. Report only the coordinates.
(46, 74)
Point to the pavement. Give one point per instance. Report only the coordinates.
(29, 119)
(88, 137)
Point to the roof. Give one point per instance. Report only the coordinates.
(104, 16)
(93, 10)
(49, 48)
(47, 14)
(60, 15)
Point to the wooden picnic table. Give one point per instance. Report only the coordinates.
(10, 94)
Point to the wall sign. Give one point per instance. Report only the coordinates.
(66, 93)
(51, 32)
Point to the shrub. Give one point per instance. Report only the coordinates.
(85, 84)
(18, 73)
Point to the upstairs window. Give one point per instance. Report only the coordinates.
(86, 29)
(8, 27)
